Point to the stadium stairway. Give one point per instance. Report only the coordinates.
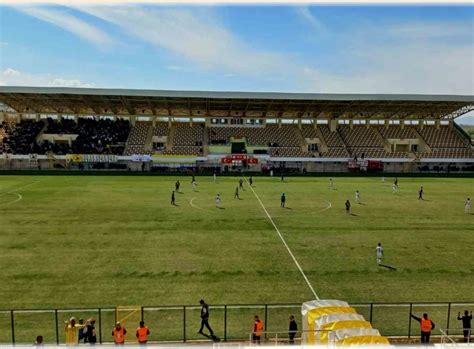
(383, 140)
(341, 139)
(324, 145)
(170, 139)
(421, 139)
(205, 141)
(42, 130)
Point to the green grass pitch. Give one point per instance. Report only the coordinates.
(85, 241)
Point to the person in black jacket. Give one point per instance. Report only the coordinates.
(205, 318)
(292, 329)
(466, 325)
(91, 336)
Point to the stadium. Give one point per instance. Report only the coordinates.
(134, 205)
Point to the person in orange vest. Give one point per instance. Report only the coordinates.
(257, 330)
(142, 333)
(119, 333)
(426, 325)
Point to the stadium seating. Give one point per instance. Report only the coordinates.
(444, 137)
(161, 129)
(336, 147)
(394, 132)
(137, 139)
(106, 136)
(63, 126)
(21, 138)
(272, 136)
(101, 136)
(187, 140)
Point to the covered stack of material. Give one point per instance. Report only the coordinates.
(336, 321)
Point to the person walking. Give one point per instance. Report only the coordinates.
(72, 331)
(420, 193)
(251, 180)
(173, 202)
(282, 200)
(379, 251)
(119, 333)
(426, 326)
(205, 318)
(91, 335)
(348, 206)
(466, 325)
(218, 200)
(467, 206)
(177, 185)
(257, 330)
(292, 329)
(142, 333)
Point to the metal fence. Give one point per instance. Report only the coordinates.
(180, 323)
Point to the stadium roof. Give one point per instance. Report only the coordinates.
(87, 101)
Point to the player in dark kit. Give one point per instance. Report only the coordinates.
(251, 180)
(177, 185)
(172, 199)
(420, 193)
(236, 195)
(282, 200)
(241, 183)
(348, 206)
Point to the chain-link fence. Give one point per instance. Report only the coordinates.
(180, 323)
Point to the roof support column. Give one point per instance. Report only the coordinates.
(387, 123)
(333, 125)
(351, 124)
(402, 124)
(133, 119)
(2, 117)
(154, 121)
(191, 121)
(315, 123)
(279, 122)
(299, 124)
(437, 124)
(169, 121)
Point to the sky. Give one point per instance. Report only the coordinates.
(276, 48)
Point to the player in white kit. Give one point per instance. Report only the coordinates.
(194, 185)
(467, 207)
(215, 177)
(394, 188)
(379, 250)
(218, 200)
(331, 184)
(357, 196)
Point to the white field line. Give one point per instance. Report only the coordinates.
(191, 203)
(284, 242)
(12, 202)
(18, 195)
(327, 208)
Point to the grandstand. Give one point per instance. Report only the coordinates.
(302, 131)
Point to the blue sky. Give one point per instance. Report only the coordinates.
(329, 49)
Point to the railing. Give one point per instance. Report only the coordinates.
(180, 323)
(282, 337)
(453, 336)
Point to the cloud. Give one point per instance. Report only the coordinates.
(63, 20)
(305, 14)
(194, 35)
(13, 77)
(432, 30)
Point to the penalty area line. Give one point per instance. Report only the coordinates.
(284, 242)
